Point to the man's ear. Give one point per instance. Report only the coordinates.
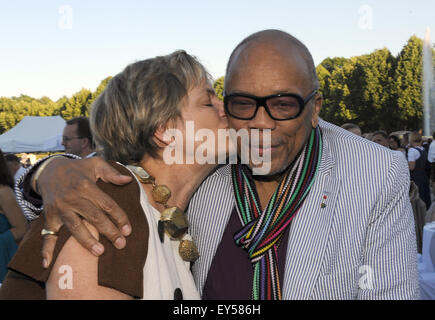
(316, 110)
(86, 143)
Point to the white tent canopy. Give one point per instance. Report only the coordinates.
(34, 134)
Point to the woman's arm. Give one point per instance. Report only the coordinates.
(13, 213)
(75, 275)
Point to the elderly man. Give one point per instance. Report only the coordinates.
(332, 219)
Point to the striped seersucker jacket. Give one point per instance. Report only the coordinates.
(361, 245)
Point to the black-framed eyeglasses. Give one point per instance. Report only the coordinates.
(282, 106)
(66, 139)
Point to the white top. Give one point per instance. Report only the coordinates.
(164, 269)
(431, 153)
(414, 155)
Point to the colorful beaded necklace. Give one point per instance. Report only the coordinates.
(262, 231)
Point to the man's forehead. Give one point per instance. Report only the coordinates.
(70, 128)
(270, 47)
(283, 68)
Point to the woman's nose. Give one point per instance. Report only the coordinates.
(221, 109)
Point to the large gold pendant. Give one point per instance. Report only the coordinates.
(188, 250)
(175, 222)
(161, 194)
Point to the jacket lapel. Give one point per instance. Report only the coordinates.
(309, 232)
(210, 214)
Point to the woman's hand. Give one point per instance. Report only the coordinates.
(68, 189)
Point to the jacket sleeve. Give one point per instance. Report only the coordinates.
(29, 201)
(390, 256)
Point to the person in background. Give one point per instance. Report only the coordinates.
(381, 137)
(352, 128)
(14, 165)
(405, 141)
(77, 138)
(13, 224)
(417, 162)
(394, 143)
(420, 214)
(431, 159)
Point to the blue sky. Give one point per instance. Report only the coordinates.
(54, 48)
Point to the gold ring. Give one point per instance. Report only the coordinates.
(45, 232)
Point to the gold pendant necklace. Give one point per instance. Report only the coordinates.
(173, 220)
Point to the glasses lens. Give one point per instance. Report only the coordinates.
(241, 107)
(284, 107)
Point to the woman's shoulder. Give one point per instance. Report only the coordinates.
(118, 269)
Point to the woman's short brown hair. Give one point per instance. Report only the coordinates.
(140, 99)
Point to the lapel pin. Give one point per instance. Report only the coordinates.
(323, 204)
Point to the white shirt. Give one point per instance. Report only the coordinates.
(431, 154)
(164, 269)
(413, 154)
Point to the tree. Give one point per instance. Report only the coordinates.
(78, 105)
(408, 84)
(100, 88)
(219, 87)
(375, 91)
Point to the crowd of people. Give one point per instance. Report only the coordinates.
(420, 155)
(133, 226)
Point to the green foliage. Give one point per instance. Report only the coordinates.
(219, 87)
(13, 110)
(408, 82)
(376, 90)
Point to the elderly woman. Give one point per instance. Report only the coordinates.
(130, 122)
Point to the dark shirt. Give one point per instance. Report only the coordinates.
(231, 273)
(8, 246)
